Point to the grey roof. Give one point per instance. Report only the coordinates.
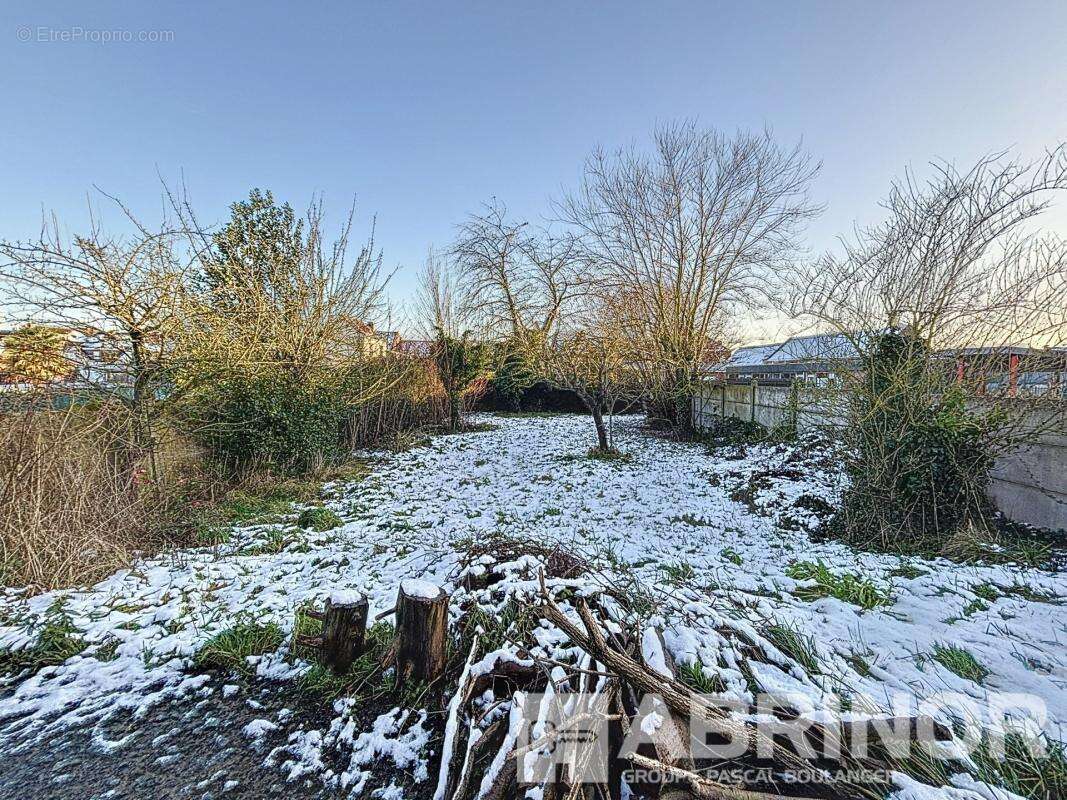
(797, 350)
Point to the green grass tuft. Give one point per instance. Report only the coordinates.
(960, 662)
(731, 555)
(692, 520)
(846, 587)
(57, 641)
(1032, 768)
(694, 676)
(793, 643)
(366, 679)
(907, 571)
(987, 591)
(318, 519)
(229, 649)
(275, 543)
(678, 574)
(610, 454)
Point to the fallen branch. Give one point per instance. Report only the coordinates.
(700, 786)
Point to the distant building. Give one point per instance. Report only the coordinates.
(1011, 370)
(418, 348)
(801, 356)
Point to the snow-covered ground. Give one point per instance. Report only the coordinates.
(711, 545)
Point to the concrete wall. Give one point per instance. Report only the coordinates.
(1028, 485)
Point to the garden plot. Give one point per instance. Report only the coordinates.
(713, 551)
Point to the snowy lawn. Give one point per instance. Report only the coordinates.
(711, 549)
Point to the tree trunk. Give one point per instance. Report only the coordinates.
(593, 406)
(601, 429)
(344, 631)
(421, 632)
(455, 411)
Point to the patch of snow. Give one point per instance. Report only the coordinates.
(423, 590)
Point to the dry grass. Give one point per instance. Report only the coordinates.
(72, 500)
(77, 502)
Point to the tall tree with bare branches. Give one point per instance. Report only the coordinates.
(122, 291)
(460, 354)
(691, 230)
(933, 303)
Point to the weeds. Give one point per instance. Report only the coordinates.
(907, 571)
(107, 650)
(846, 587)
(859, 664)
(610, 454)
(732, 556)
(275, 543)
(1035, 769)
(734, 432)
(366, 679)
(318, 519)
(57, 641)
(515, 623)
(74, 504)
(678, 574)
(793, 643)
(230, 649)
(693, 520)
(960, 662)
(694, 676)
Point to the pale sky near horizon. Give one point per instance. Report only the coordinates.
(424, 111)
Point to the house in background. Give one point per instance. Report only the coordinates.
(417, 348)
(801, 357)
(1012, 370)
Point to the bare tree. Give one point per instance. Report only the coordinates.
(589, 358)
(691, 232)
(956, 262)
(120, 291)
(460, 354)
(933, 304)
(516, 277)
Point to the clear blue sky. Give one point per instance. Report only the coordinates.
(424, 110)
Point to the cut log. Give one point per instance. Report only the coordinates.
(344, 630)
(421, 632)
(670, 742)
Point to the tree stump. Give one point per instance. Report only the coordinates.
(421, 631)
(344, 630)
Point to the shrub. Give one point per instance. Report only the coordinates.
(73, 497)
(277, 419)
(731, 431)
(919, 458)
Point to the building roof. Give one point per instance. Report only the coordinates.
(797, 350)
(753, 355)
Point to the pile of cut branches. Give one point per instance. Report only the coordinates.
(608, 708)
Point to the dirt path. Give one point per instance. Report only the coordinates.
(180, 749)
